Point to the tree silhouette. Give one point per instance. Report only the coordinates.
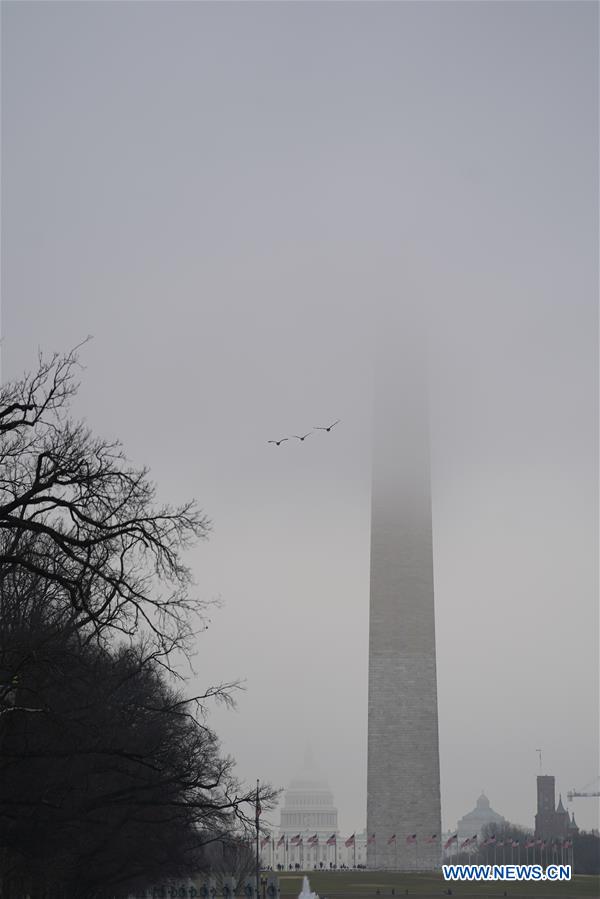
(75, 512)
(109, 776)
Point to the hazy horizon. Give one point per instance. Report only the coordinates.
(230, 197)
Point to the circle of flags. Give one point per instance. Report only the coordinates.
(546, 848)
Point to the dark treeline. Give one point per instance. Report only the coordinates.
(110, 777)
(585, 851)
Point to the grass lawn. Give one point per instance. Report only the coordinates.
(365, 884)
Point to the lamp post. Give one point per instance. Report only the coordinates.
(258, 811)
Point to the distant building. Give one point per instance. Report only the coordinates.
(309, 818)
(551, 821)
(474, 822)
(308, 833)
(309, 811)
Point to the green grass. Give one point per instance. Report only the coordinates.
(364, 885)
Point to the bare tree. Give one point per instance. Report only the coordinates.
(230, 857)
(76, 514)
(108, 776)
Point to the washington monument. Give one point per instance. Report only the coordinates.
(403, 776)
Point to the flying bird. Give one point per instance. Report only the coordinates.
(330, 426)
(298, 437)
(278, 442)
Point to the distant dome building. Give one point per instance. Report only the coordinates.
(308, 804)
(473, 822)
(309, 818)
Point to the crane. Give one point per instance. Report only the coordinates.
(590, 789)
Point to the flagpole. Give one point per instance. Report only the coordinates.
(257, 848)
(417, 854)
(572, 857)
(354, 850)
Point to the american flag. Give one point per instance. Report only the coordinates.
(515, 843)
(295, 841)
(264, 842)
(350, 841)
(371, 839)
(412, 838)
(332, 840)
(529, 844)
(539, 843)
(392, 839)
(491, 840)
(281, 840)
(432, 838)
(450, 840)
(568, 844)
(312, 841)
(464, 843)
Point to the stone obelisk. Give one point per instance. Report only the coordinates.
(403, 777)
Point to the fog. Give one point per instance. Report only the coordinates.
(231, 198)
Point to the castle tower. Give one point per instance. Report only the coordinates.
(563, 821)
(545, 819)
(403, 779)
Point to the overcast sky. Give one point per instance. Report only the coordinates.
(229, 197)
